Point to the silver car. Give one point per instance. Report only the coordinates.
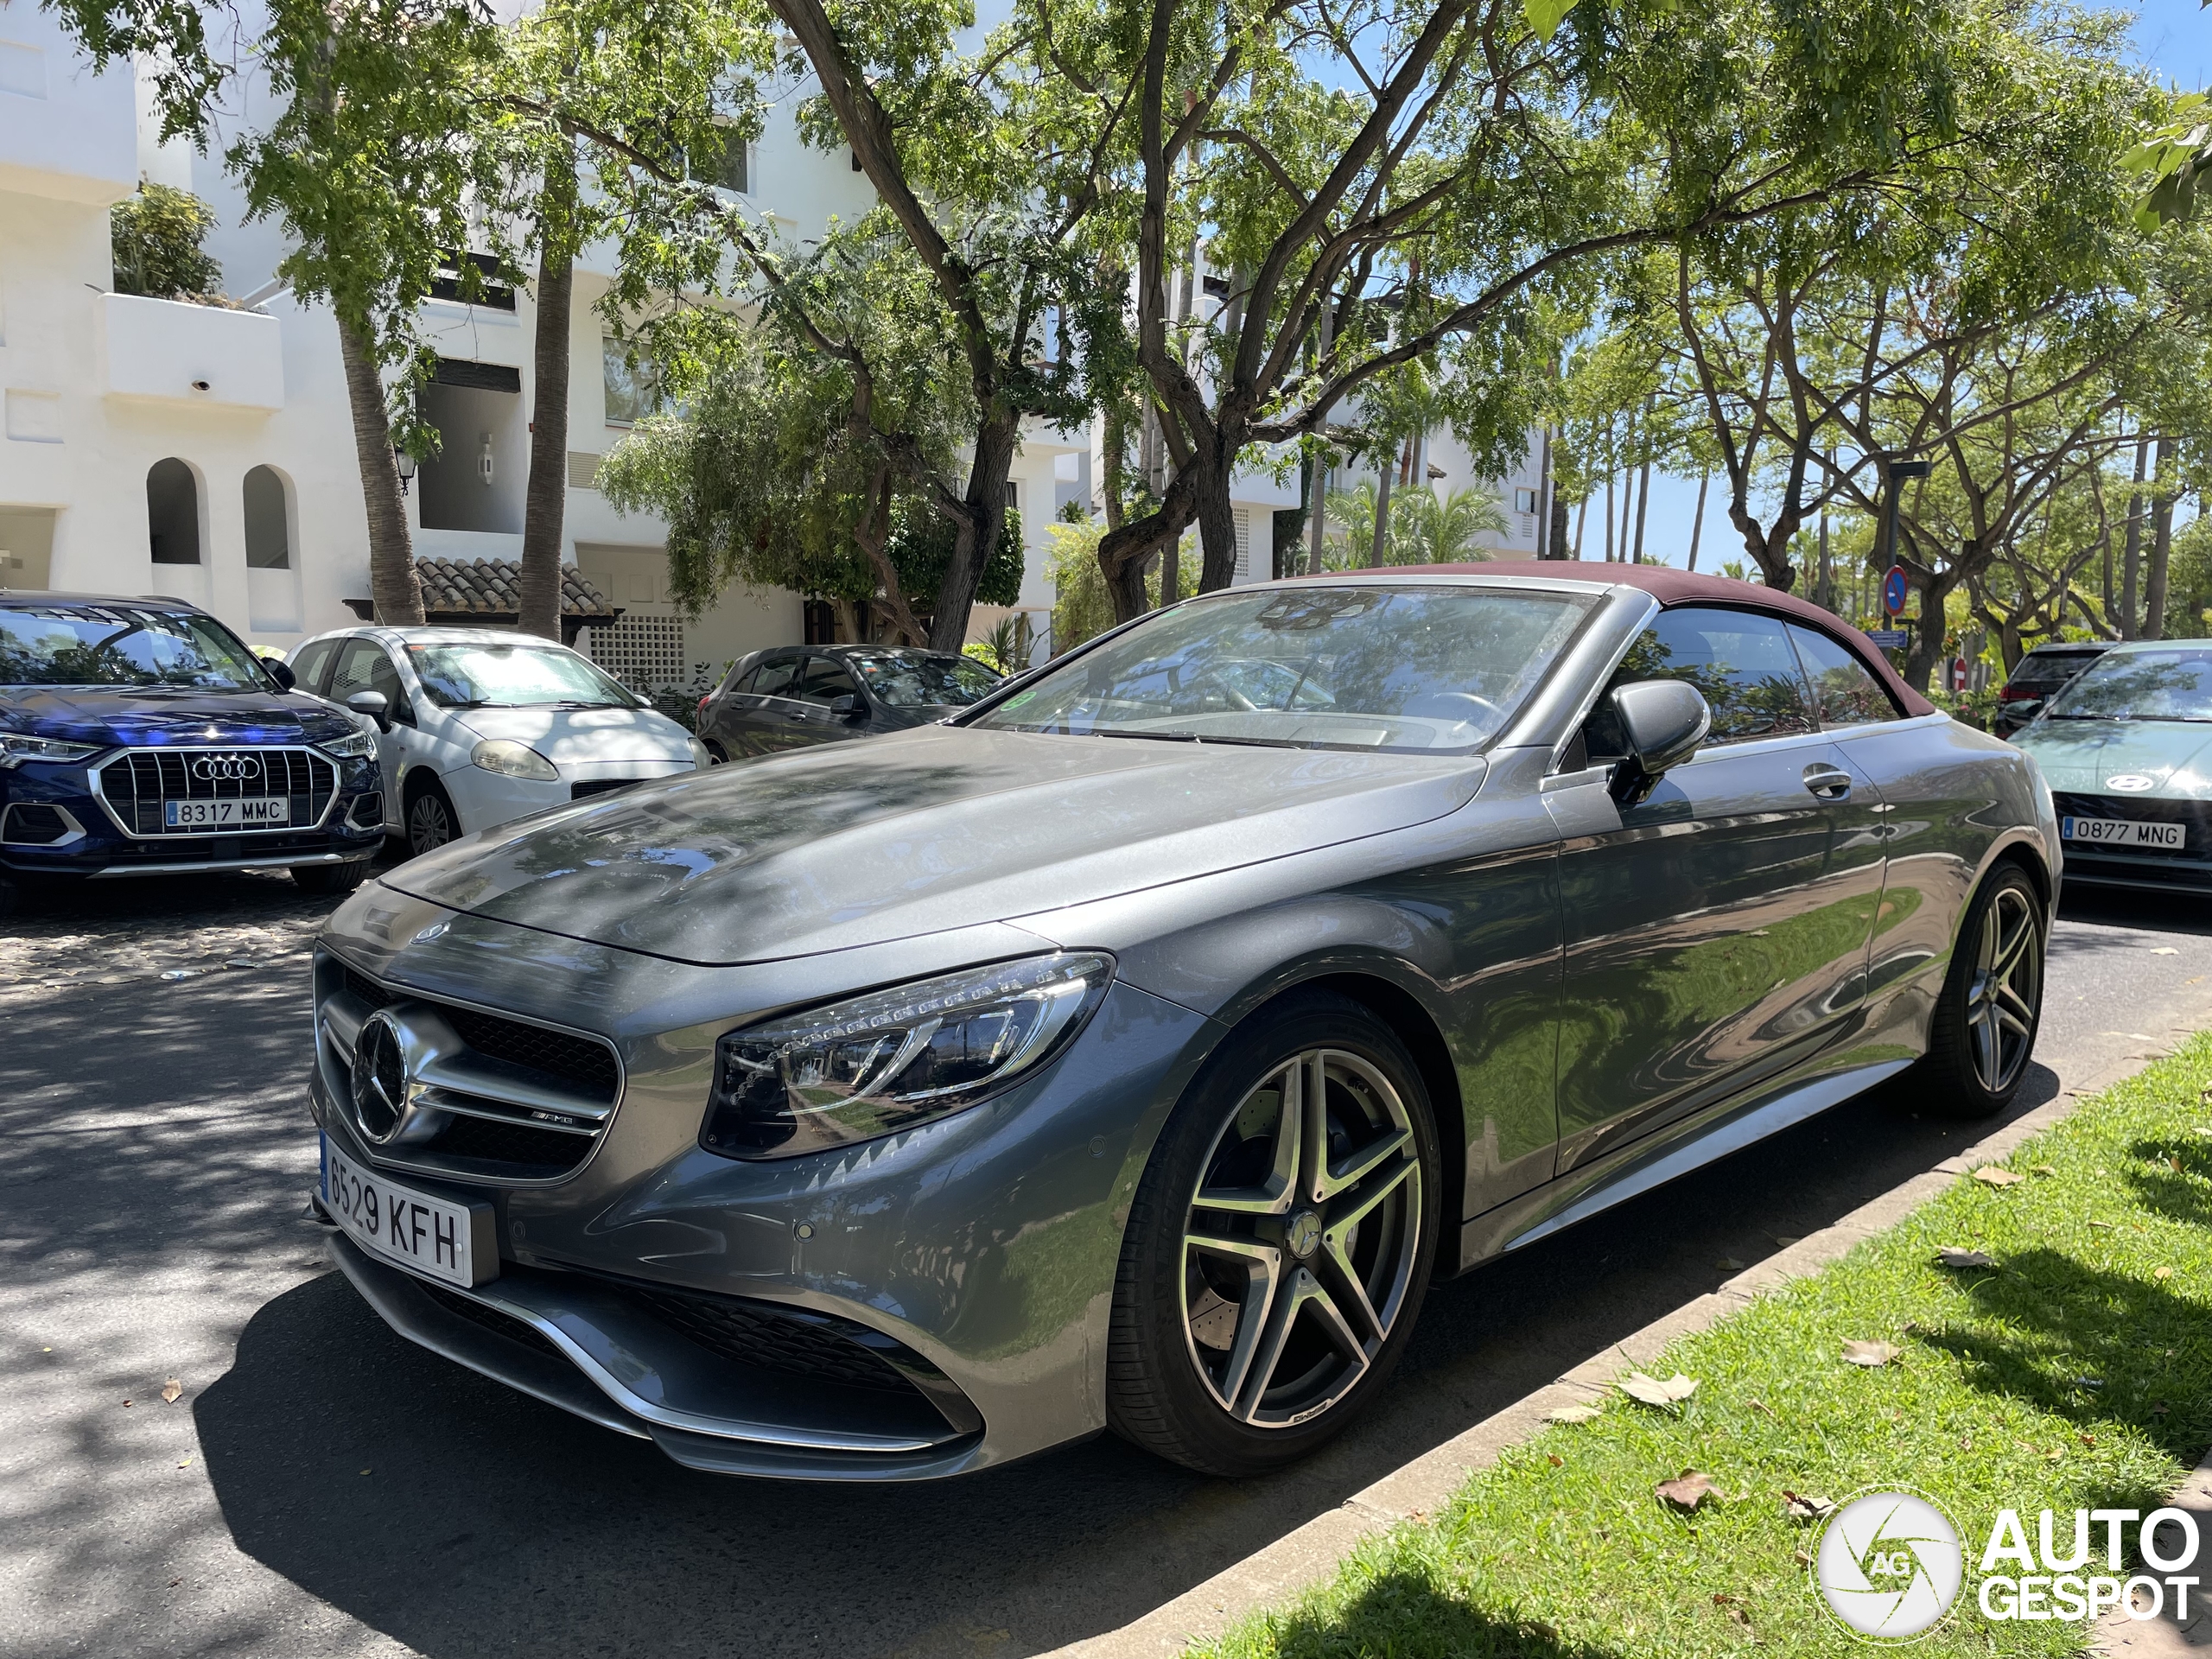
(1132, 1052)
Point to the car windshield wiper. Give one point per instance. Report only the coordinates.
(1156, 737)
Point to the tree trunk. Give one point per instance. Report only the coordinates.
(975, 540)
(1378, 549)
(1581, 521)
(1609, 517)
(392, 582)
(2132, 558)
(1113, 439)
(1643, 510)
(545, 497)
(1697, 525)
(2161, 542)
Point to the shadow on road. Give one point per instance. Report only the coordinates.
(488, 1522)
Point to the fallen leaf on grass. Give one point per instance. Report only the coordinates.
(1687, 1491)
(2163, 1272)
(1761, 1404)
(1804, 1509)
(1572, 1414)
(1804, 1557)
(2204, 1128)
(1558, 1462)
(2045, 1169)
(1653, 1392)
(171, 1390)
(1951, 1255)
(1991, 1175)
(2107, 1225)
(1740, 1617)
(2087, 1439)
(2160, 1409)
(1870, 1354)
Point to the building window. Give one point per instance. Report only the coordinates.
(172, 512)
(1525, 500)
(729, 165)
(267, 521)
(632, 384)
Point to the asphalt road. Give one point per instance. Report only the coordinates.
(322, 1487)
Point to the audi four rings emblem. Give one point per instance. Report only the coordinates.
(227, 768)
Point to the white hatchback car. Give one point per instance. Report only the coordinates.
(478, 726)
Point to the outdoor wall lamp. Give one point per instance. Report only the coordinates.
(406, 463)
(484, 462)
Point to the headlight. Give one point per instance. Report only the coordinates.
(15, 749)
(352, 747)
(513, 760)
(895, 1058)
(700, 757)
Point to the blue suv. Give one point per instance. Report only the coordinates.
(141, 737)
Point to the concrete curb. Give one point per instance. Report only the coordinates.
(1421, 1488)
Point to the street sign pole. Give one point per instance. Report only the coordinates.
(1894, 582)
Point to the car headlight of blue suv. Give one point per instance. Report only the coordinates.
(16, 749)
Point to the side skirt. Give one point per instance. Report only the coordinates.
(1638, 1168)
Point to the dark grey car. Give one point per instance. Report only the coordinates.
(1132, 1051)
(794, 695)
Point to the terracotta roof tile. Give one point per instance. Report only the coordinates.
(493, 587)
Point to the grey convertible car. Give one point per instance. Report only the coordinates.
(1132, 1052)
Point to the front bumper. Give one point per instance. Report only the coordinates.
(573, 1342)
(93, 847)
(976, 1255)
(2185, 869)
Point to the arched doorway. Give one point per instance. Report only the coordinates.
(172, 512)
(268, 520)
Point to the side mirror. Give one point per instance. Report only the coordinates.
(280, 673)
(847, 708)
(372, 705)
(1662, 722)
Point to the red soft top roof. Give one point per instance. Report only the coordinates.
(1672, 587)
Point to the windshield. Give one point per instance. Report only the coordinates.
(917, 680)
(2171, 684)
(513, 677)
(2056, 669)
(1336, 666)
(123, 644)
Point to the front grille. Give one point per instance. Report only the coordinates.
(136, 784)
(33, 825)
(2196, 816)
(599, 786)
(588, 1066)
(490, 1119)
(756, 1333)
(491, 1320)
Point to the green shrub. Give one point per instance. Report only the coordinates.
(156, 236)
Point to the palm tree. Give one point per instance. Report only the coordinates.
(1423, 529)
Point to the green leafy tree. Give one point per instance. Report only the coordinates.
(1426, 529)
(156, 236)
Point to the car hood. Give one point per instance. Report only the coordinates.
(95, 715)
(2084, 756)
(847, 844)
(570, 736)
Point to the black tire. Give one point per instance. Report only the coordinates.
(11, 896)
(715, 752)
(431, 822)
(328, 880)
(1984, 1031)
(1184, 1374)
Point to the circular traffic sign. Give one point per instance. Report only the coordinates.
(1893, 590)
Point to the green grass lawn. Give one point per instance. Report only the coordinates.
(2078, 1373)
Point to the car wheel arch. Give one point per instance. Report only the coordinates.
(1381, 994)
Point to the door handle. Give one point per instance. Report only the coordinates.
(1828, 783)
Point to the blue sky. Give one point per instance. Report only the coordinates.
(2172, 37)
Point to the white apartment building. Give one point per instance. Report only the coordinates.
(154, 446)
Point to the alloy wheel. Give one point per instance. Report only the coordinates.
(429, 825)
(1300, 1239)
(2005, 990)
